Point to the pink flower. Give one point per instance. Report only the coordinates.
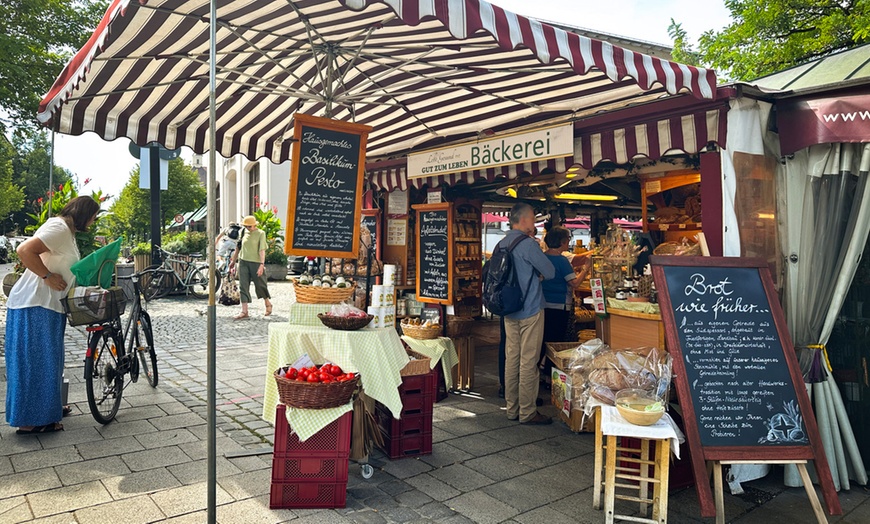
(60, 187)
(39, 200)
(87, 180)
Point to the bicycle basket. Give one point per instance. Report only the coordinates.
(93, 305)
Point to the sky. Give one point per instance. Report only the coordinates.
(108, 164)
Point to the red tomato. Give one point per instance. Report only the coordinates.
(323, 375)
(293, 370)
(301, 378)
(304, 373)
(292, 373)
(335, 370)
(327, 380)
(313, 378)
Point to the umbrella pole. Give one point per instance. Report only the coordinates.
(210, 228)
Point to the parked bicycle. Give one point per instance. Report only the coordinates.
(115, 348)
(159, 281)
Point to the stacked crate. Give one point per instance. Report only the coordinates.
(310, 474)
(410, 435)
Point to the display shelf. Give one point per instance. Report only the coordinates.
(663, 191)
(684, 226)
(467, 251)
(477, 240)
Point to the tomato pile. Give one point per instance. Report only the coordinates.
(324, 374)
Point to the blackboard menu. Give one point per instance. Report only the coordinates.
(434, 260)
(371, 222)
(735, 365)
(325, 187)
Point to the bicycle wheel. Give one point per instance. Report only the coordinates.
(154, 283)
(142, 342)
(198, 282)
(104, 380)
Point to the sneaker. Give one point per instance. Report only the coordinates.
(538, 420)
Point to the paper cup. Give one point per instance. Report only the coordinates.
(377, 295)
(389, 275)
(389, 296)
(375, 312)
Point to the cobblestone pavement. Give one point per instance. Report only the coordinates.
(150, 464)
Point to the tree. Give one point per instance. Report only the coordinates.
(11, 195)
(770, 35)
(130, 215)
(30, 168)
(37, 38)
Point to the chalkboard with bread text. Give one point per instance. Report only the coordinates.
(738, 380)
(326, 181)
(434, 253)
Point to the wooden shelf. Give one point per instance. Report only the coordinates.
(465, 239)
(682, 226)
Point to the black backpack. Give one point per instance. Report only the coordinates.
(501, 291)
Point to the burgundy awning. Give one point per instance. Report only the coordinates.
(803, 123)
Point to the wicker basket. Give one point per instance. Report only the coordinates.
(322, 295)
(345, 323)
(418, 365)
(95, 308)
(421, 332)
(313, 395)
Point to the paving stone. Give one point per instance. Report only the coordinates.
(44, 458)
(497, 466)
(140, 482)
(368, 517)
(433, 487)
(186, 499)
(155, 458)
(89, 470)
(198, 449)
(546, 515)
(197, 517)
(147, 397)
(193, 472)
(174, 408)
(69, 437)
(60, 518)
(461, 477)
(136, 510)
(517, 435)
(435, 511)
(322, 517)
(139, 412)
(163, 438)
(118, 429)
(477, 445)
(569, 446)
(109, 447)
(68, 498)
(394, 487)
(5, 466)
(247, 485)
(532, 455)
(445, 454)
(413, 499)
(405, 468)
(480, 507)
(400, 514)
(252, 511)
(15, 509)
(538, 488)
(184, 420)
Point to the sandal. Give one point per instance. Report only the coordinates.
(67, 411)
(240, 316)
(268, 310)
(35, 430)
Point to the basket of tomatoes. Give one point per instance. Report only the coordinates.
(326, 386)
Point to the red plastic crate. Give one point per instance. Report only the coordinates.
(407, 425)
(333, 439)
(419, 384)
(407, 446)
(308, 495)
(323, 468)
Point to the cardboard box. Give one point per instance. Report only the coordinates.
(561, 396)
(561, 353)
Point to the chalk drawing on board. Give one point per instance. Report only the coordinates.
(785, 428)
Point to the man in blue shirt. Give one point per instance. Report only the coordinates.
(524, 330)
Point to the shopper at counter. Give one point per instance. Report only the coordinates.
(524, 330)
(559, 292)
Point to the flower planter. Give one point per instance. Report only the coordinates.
(8, 281)
(276, 271)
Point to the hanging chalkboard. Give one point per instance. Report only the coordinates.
(323, 212)
(434, 253)
(370, 221)
(737, 376)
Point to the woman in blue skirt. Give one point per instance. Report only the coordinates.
(35, 322)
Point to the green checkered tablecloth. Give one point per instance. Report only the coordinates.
(306, 314)
(440, 348)
(377, 354)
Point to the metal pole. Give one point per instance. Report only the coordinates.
(212, 233)
(51, 175)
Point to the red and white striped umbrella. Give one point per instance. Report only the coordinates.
(418, 71)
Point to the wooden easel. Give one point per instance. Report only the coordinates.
(719, 494)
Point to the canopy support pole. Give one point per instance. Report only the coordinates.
(51, 176)
(212, 233)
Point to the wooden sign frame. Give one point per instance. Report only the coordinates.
(422, 208)
(302, 121)
(772, 454)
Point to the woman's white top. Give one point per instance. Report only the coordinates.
(31, 290)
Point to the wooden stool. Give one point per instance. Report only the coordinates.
(638, 478)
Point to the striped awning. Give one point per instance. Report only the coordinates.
(418, 71)
(651, 138)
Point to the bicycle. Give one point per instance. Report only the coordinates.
(159, 281)
(114, 350)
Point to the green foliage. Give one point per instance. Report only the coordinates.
(56, 200)
(11, 195)
(37, 37)
(186, 242)
(268, 221)
(275, 254)
(142, 248)
(770, 35)
(682, 50)
(30, 170)
(131, 212)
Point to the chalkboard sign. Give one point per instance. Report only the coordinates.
(435, 253)
(737, 376)
(371, 220)
(323, 212)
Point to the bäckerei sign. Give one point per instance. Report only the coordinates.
(504, 150)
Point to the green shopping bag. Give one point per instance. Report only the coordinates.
(98, 268)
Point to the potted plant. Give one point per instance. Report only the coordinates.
(270, 224)
(141, 256)
(276, 262)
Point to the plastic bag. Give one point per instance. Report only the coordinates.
(642, 368)
(98, 268)
(578, 369)
(346, 310)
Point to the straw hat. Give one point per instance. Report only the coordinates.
(249, 221)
